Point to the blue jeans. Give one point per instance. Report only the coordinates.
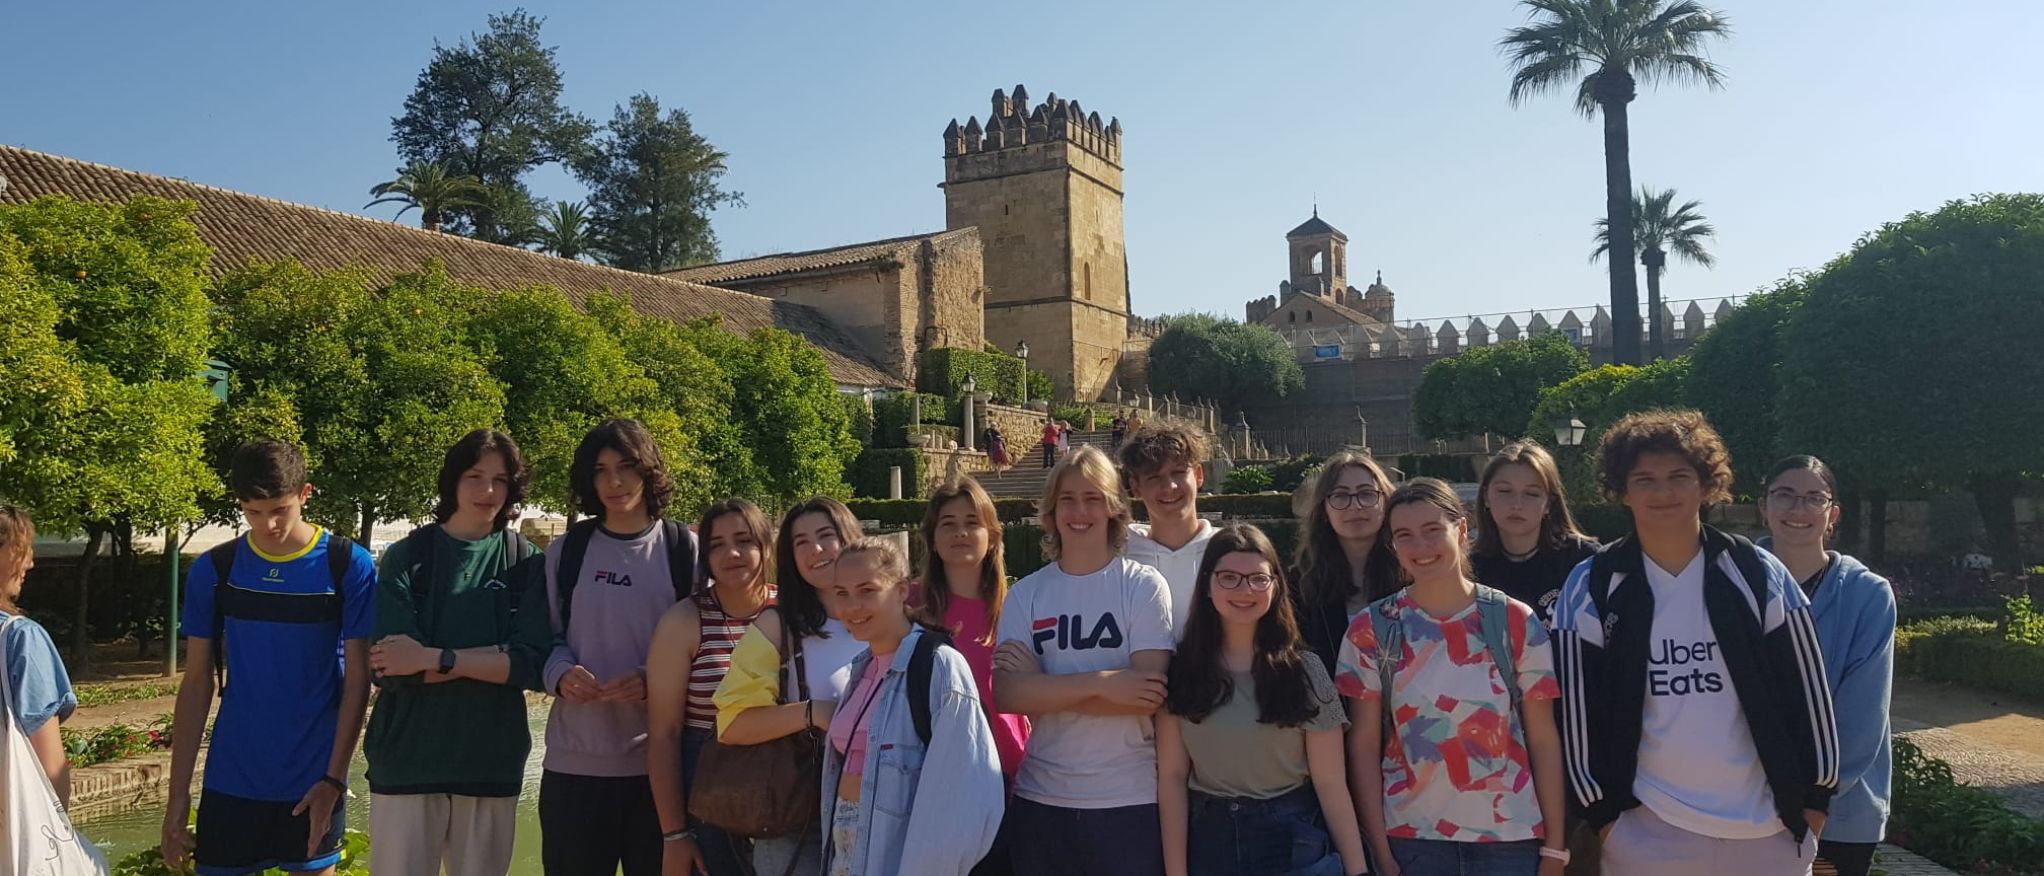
(1285, 835)
(1423, 857)
(722, 853)
(1057, 841)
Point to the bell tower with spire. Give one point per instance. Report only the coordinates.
(1319, 258)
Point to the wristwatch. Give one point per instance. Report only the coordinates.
(446, 661)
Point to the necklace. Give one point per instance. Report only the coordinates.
(1520, 558)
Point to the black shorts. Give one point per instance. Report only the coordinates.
(238, 836)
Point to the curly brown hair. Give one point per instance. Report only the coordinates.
(631, 440)
(1156, 447)
(1682, 432)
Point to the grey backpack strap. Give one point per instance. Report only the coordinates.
(1493, 614)
(1390, 634)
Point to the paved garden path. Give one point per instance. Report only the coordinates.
(1993, 741)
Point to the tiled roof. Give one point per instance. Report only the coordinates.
(241, 228)
(794, 262)
(1315, 227)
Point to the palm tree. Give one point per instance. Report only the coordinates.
(1659, 227)
(565, 231)
(430, 188)
(1602, 50)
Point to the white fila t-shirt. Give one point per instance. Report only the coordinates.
(1089, 623)
(1698, 767)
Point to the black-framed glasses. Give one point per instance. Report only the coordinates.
(1258, 582)
(1784, 500)
(1342, 501)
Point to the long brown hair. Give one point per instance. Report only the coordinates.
(1557, 526)
(801, 606)
(754, 522)
(17, 542)
(1199, 684)
(1324, 574)
(993, 568)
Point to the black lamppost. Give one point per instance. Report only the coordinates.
(1568, 431)
(1022, 353)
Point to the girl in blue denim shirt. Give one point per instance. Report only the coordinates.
(880, 818)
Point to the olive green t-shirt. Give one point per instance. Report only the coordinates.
(1234, 755)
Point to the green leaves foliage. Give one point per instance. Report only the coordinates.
(1734, 378)
(999, 375)
(653, 182)
(1202, 356)
(1492, 389)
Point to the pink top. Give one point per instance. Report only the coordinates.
(855, 715)
(967, 619)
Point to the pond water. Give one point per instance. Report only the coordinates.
(123, 833)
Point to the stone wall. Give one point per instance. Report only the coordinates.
(950, 291)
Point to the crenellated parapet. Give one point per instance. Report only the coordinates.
(1012, 123)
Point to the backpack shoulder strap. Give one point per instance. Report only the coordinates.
(419, 551)
(681, 558)
(921, 664)
(575, 547)
(221, 556)
(1494, 616)
(1390, 646)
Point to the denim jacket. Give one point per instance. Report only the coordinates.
(948, 832)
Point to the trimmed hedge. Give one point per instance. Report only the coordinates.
(909, 512)
(860, 416)
(1972, 653)
(869, 471)
(1958, 825)
(1451, 467)
(943, 371)
(891, 416)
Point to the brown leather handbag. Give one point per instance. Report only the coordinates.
(771, 789)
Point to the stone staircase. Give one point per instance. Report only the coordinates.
(1024, 480)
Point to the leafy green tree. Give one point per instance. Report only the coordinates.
(709, 457)
(564, 231)
(1659, 228)
(379, 382)
(1735, 377)
(510, 215)
(1599, 397)
(653, 182)
(106, 304)
(429, 188)
(563, 372)
(1492, 389)
(1910, 365)
(785, 401)
(1203, 356)
(1601, 50)
(490, 108)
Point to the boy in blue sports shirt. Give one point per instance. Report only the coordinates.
(296, 612)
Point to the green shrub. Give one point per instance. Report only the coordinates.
(860, 416)
(149, 861)
(1040, 385)
(1957, 825)
(869, 471)
(1972, 653)
(1249, 479)
(114, 742)
(896, 513)
(891, 417)
(943, 371)
(1249, 506)
(2022, 623)
(1452, 467)
(1290, 474)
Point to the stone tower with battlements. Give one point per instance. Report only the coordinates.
(1043, 186)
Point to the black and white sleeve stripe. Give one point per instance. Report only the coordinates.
(1816, 694)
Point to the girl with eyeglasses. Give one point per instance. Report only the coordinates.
(1854, 611)
(1341, 564)
(1250, 780)
(1453, 682)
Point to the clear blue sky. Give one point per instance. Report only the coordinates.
(1838, 116)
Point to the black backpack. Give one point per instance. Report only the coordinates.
(920, 664)
(419, 549)
(682, 564)
(231, 600)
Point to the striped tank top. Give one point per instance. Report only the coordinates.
(719, 633)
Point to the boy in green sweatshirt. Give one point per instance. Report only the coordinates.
(455, 651)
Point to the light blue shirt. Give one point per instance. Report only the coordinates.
(901, 829)
(42, 689)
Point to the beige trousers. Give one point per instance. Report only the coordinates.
(414, 834)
